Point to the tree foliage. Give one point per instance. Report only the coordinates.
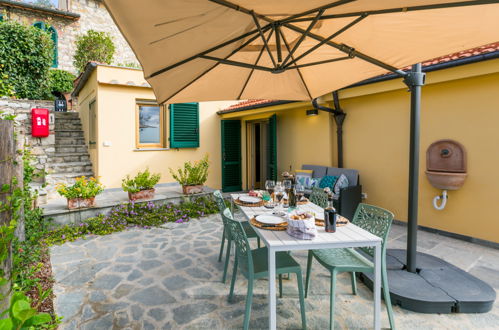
(61, 81)
(25, 59)
(93, 46)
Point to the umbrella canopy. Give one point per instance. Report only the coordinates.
(202, 50)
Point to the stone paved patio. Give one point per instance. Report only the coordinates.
(170, 279)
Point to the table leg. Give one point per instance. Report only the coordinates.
(272, 292)
(377, 286)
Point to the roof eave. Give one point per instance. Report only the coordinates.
(40, 9)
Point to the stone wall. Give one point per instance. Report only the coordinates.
(93, 15)
(42, 148)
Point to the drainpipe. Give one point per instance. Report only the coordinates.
(339, 118)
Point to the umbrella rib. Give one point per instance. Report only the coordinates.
(349, 50)
(236, 63)
(242, 36)
(263, 37)
(400, 9)
(297, 69)
(253, 70)
(311, 11)
(250, 40)
(302, 37)
(334, 35)
(319, 62)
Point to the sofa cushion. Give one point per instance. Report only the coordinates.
(352, 175)
(309, 173)
(342, 182)
(319, 171)
(308, 182)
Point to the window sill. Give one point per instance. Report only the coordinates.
(151, 149)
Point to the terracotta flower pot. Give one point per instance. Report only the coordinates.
(192, 189)
(143, 194)
(79, 203)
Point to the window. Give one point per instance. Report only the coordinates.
(150, 125)
(92, 125)
(53, 35)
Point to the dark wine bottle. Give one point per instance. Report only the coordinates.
(330, 215)
(292, 197)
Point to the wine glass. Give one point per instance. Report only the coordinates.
(279, 194)
(300, 192)
(270, 185)
(288, 185)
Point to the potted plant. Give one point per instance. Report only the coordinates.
(141, 186)
(82, 193)
(192, 176)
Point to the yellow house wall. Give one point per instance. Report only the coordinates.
(88, 94)
(116, 124)
(376, 142)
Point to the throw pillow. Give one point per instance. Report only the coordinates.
(307, 182)
(328, 182)
(342, 182)
(309, 173)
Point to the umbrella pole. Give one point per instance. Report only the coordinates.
(414, 80)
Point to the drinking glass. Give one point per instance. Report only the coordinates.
(270, 185)
(300, 192)
(279, 194)
(288, 185)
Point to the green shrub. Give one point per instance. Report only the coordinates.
(142, 181)
(25, 58)
(82, 188)
(61, 81)
(192, 174)
(93, 46)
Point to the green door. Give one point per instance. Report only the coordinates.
(231, 155)
(272, 149)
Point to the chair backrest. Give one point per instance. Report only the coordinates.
(375, 220)
(243, 249)
(319, 197)
(220, 201)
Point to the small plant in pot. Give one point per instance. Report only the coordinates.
(192, 176)
(141, 186)
(82, 193)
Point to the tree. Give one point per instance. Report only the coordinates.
(93, 46)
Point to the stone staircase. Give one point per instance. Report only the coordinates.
(70, 159)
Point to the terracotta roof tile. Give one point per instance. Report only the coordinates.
(489, 48)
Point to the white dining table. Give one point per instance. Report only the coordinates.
(349, 236)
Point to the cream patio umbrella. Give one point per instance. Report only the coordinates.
(204, 50)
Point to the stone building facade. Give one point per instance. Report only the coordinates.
(69, 19)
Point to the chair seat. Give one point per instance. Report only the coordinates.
(284, 262)
(343, 259)
(250, 232)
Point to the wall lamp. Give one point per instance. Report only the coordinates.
(312, 112)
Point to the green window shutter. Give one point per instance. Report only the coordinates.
(272, 149)
(53, 36)
(231, 155)
(39, 25)
(184, 125)
(1, 17)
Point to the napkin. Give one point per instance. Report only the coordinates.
(302, 229)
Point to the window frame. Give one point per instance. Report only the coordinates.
(162, 125)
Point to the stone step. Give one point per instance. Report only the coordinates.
(69, 157)
(69, 167)
(69, 141)
(68, 126)
(55, 178)
(70, 114)
(69, 148)
(69, 133)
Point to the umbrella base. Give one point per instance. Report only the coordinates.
(436, 287)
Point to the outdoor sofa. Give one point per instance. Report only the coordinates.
(350, 196)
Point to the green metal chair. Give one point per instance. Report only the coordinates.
(250, 232)
(376, 221)
(253, 264)
(319, 197)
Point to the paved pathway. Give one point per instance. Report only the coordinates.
(169, 278)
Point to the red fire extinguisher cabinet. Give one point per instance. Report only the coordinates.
(40, 122)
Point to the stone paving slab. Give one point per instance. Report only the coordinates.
(169, 278)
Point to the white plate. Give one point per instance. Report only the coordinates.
(269, 219)
(250, 199)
